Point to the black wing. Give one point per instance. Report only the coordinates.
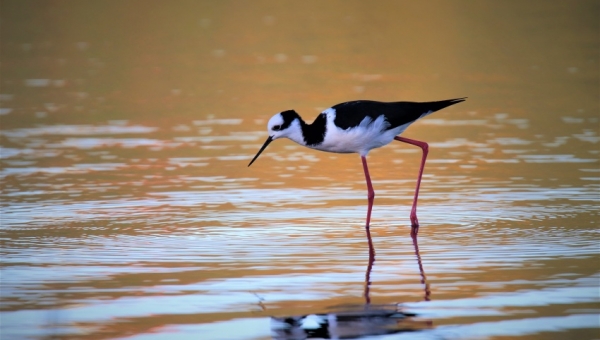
(350, 114)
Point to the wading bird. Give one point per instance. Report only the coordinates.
(357, 127)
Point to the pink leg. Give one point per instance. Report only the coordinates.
(371, 193)
(371, 197)
(425, 148)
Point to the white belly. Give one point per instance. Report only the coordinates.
(361, 139)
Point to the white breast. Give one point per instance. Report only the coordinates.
(367, 135)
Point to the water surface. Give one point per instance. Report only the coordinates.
(128, 209)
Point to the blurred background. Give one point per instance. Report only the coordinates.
(128, 210)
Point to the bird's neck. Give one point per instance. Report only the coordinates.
(309, 135)
(314, 133)
(296, 131)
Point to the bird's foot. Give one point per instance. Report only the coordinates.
(414, 230)
(414, 221)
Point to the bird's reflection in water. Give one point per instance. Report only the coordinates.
(413, 235)
(354, 321)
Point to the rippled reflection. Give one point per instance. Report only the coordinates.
(353, 321)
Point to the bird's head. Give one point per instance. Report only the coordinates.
(285, 124)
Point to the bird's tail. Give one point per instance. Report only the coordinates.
(436, 106)
(407, 112)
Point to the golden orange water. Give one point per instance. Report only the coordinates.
(128, 209)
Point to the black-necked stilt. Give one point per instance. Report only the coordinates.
(357, 126)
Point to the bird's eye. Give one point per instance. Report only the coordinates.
(277, 127)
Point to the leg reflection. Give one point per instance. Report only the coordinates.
(369, 266)
(413, 235)
(354, 321)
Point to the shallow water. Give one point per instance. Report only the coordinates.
(128, 209)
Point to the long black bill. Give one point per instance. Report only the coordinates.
(269, 140)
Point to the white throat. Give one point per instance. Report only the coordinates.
(294, 132)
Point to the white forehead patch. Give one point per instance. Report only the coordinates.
(275, 120)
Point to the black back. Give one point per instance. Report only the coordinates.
(350, 114)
